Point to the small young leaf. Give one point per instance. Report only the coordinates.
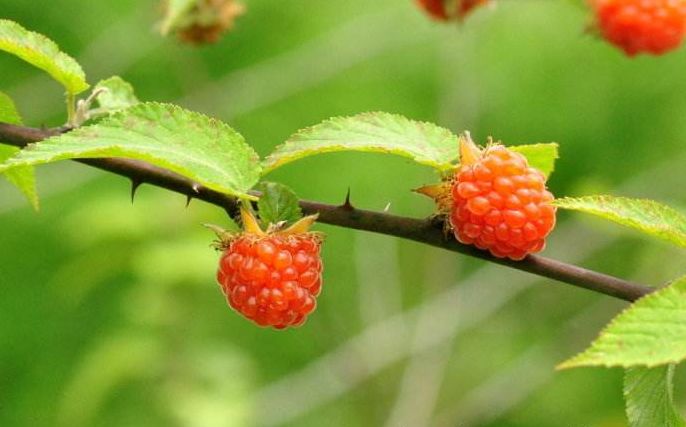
(193, 145)
(540, 156)
(118, 94)
(277, 203)
(651, 332)
(425, 143)
(647, 216)
(43, 53)
(649, 397)
(23, 178)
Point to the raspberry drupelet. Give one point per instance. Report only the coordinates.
(274, 277)
(642, 26)
(499, 202)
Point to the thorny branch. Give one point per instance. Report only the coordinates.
(427, 231)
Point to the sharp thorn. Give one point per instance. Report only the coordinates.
(134, 187)
(387, 208)
(346, 204)
(188, 199)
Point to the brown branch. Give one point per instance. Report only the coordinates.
(425, 231)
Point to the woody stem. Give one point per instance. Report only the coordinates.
(426, 231)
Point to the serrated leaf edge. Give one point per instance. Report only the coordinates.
(10, 164)
(73, 85)
(562, 203)
(573, 362)
(268, 165)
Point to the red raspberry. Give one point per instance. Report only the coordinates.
(642, 26)
(272, 278)
(446, 10)
(499, 203)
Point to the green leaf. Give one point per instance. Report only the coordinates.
(425, 143)
(651, 332)
(23, 178)
(649, 397)
(8, 111)
(540, 156)
(175, 12)
(117, 95)
(647, 216)
(43, 53)
(277, 203)
(202, 149)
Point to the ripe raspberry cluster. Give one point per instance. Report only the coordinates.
(273, 279)
(501, 204)
(446, 10)
(642, 26)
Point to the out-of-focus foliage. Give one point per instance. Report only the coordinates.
(650, 397)
(109, 314)
(199, 21)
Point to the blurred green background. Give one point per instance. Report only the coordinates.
(109, 313)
